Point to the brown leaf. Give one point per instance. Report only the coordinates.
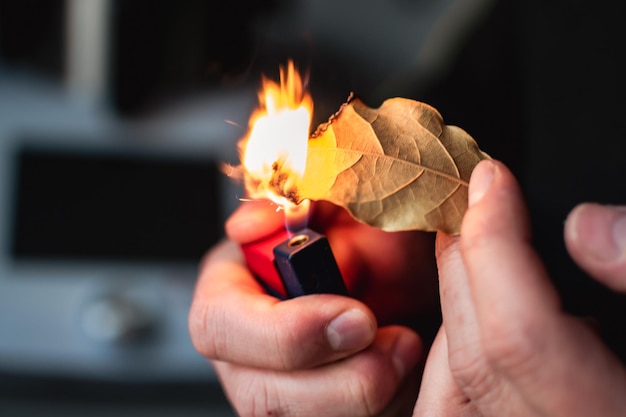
(397, 167)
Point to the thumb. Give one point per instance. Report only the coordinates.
(231, 320)
(595, 236)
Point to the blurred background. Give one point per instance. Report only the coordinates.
(116, 115)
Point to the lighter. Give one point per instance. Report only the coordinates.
(291, 266)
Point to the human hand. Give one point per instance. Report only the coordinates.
(506, 348)
(319, 354)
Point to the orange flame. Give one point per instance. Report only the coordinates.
(275, 148)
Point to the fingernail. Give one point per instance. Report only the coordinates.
(619, 234)
(406, 353)
(601, 230)
(481, 179)
(350, 330)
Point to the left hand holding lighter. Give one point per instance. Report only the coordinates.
(306, 356)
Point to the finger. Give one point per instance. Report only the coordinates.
(511, 292)
(475, 381)
(232, 319)
(506, 276)
(462, 339)
(363, 385)
(253, 220)
(546, 356)
(439, 394)
(595, 236)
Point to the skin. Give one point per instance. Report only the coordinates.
(320, 354)
(506, 348)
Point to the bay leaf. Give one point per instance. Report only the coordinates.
(397, 167)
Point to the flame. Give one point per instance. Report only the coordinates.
(275, 148)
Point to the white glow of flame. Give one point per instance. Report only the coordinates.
(280, 136)
(277, 140)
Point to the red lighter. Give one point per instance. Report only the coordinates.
(293, 264)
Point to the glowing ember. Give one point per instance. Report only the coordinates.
(275, 148)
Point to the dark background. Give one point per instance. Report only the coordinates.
(539, 84)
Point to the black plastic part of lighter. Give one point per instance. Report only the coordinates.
(306, 265)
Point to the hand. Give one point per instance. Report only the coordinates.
(320, 354)
(506, 348)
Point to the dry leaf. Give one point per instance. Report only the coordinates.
(398, 167)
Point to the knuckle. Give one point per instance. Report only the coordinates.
(371, 390)
(502, 351)
(471, 372)
(293, 347)
(256, 399)
(511, 349)
(365, 394)
(201, 323)
(286, 357)
(195, 324)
